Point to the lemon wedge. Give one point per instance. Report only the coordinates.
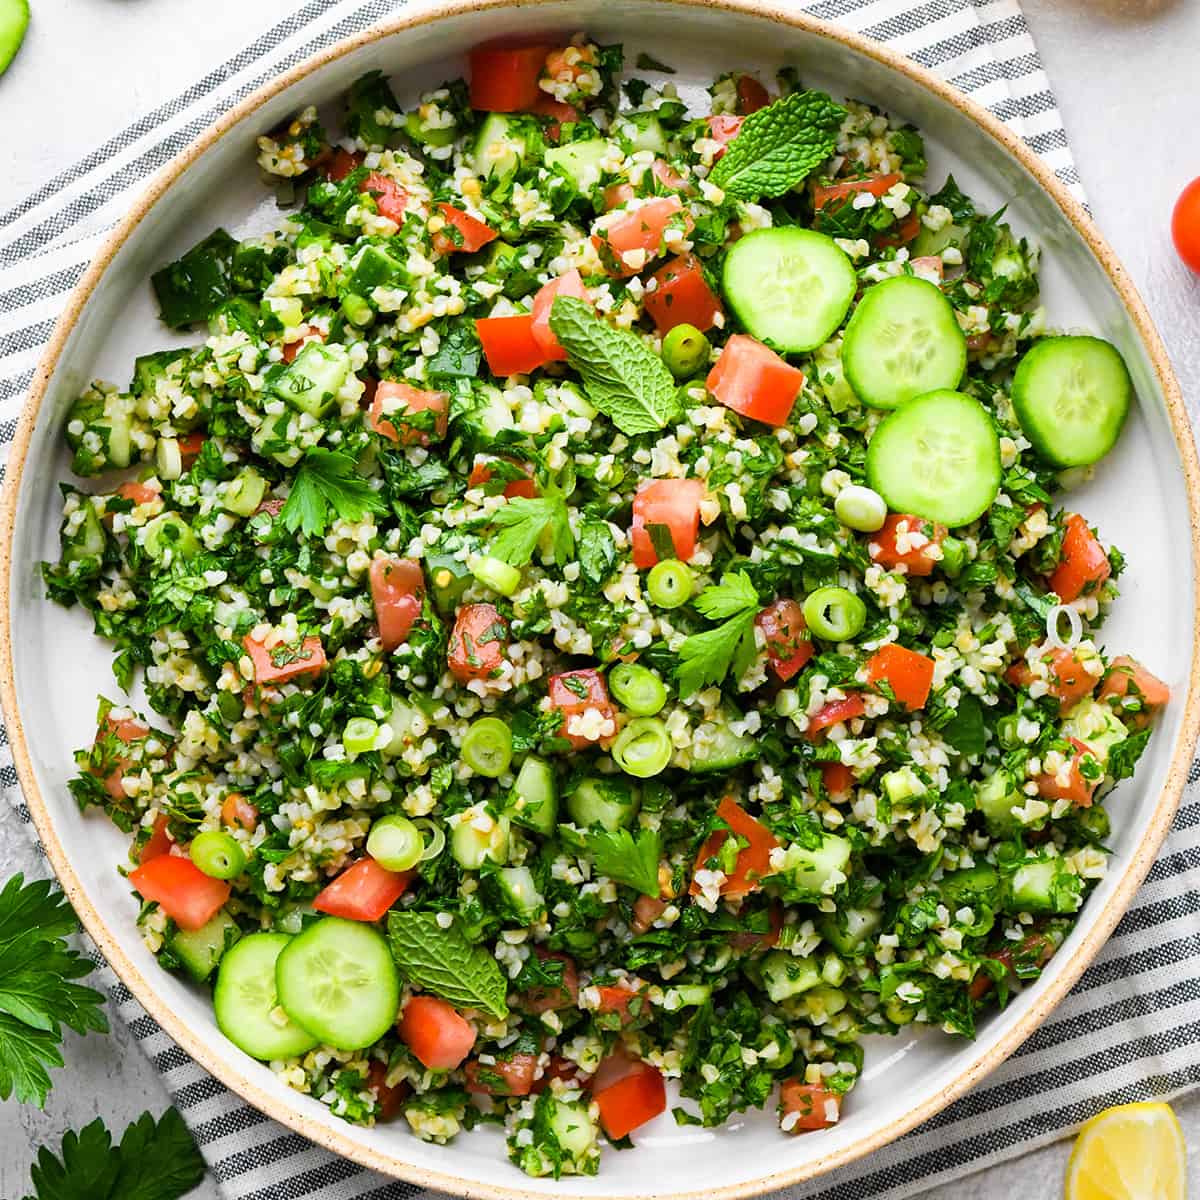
(1131, 1152)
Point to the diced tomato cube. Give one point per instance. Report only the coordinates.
(751, 95)
(190, 445)
(140, 493)
(723, 128)
(681, 296)
(238, 813)
(436, 1033)
(473, 234)
(509, 345)
(753, 861)
(633, 239)
(1132, 692)
(907, 673)
(1078, 780)
(572, 693)
(905, 231)
(753, 380)
(505, 78)
(511, 1076)
(565, 995)
(929, 264)
(818, 1108)
(1083, 564)
(284, 661)
(478, 644)
(835, 712)
(127, 730)
(672, 503)
(481, 474)
(629, 1093)
(789, 645)
(905, 541)
(389, 1098)
(308, 333)
(1068, 681)
(617, 194)
(397, 591)
(396, 404)
(837, 778)
(390, 198)
(557, 1068)
(342, 163)
(1036, 949)
(188, 896)
(363, 891)
(159, 841)
(877, 185)
(667, 175)
(570, 284)
(613, 998)
(560, 114)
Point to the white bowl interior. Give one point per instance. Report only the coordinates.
(1138, 499)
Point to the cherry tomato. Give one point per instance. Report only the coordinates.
(1185, 225)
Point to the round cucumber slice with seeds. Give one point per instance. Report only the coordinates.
(338, 980)
(902, 341)
(937, 457)
(246, 1004)
(1071, 396)
(789, 287)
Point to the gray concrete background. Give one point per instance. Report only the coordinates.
(1125, 74)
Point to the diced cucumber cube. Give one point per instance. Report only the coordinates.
(312, 380)
(534, 800)
(522, 894)
(580, 161)
(610, 803)
(784, 975)
(200, 950)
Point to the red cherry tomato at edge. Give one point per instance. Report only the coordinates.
(1185, 225)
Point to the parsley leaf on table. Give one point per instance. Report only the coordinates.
(706, 658)
(327, 479)
(623, 377)
(155, 1161)
(38, 995)
(626, 859)
(778, 146)
(521, 522)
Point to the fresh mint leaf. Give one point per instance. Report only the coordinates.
(705, 658)
(521, 522)
(626, 859)
(155, 1161)
(734, 594)
(966, 731)
(597, 550)
(327, 479)
(623, 377)
(444, 962)
(779, 146)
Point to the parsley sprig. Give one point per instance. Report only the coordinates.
(520, 524)
(328, 479)
(706, 658)
(626, 859)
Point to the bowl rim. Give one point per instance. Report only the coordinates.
(331, 1137)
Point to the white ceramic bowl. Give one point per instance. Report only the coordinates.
(1144, 498)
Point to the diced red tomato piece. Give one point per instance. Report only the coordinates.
(789, 645)
(565, 995)
(389, 1098)
(751, 95)
(666, 174)
(1078, 788)
(1036, 948)
(512, 1076)
(681, 296)
(909, 674)
(439, 1035)
(1127, 680)
(190, 445)
(1083, 565)
(481, 474)
(159, 842)
(237, 811)
(396, 403)
(629, 1093)
(929, 264)
(308, 333)
(572, 693)
(674, 503)
(617, 999)
(397, 591)
(747, 940)
(570, 284)
(363, 892)
(877, 185)
(753, 380)
(342, 163)
(834, 713)
(837, 778)
(557, 1068)
(127, 730)
(478, 643)
(560, 113)
(188, 896)
(509, 345)
(273, 507)
(617, 194)
(505, 78)
(646, 911)
(723, 128)
(818, 1107)
(904, 232)
(1068, 681)
(754, 859)
(904, 541)
(473, 233)
(639, 234)
(390, 198)
(284, 662)
(138, 492)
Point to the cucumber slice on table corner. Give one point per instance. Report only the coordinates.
(938, 457)
(902, 341)
(1071, 396)
(245, 999)
(338, 980)
(14, 21)
(789, 287)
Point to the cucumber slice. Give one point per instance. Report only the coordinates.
(200, 950)
(605, 801)
(1071, 396)
(311, 381)
(338, 980)
(533, 803)
(14, 20)
(245, 999)
(937, 457)
(784, 975)
(902, 341)
(580, 160)
(521, 894)
(723, 751)
(501, 146)
(789, 287)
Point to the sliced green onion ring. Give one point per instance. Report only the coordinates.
(834, 614)
(395, 843)
(487, 747)
(643, 748)
(218, 855)
(435, 838)
(670, 583)
(637, 689)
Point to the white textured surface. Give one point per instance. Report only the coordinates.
(1123, 76)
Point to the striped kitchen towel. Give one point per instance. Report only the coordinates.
(1130, 1028)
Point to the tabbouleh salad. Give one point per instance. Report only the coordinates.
(608, 612)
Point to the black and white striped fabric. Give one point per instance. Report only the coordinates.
(1131, 1027)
